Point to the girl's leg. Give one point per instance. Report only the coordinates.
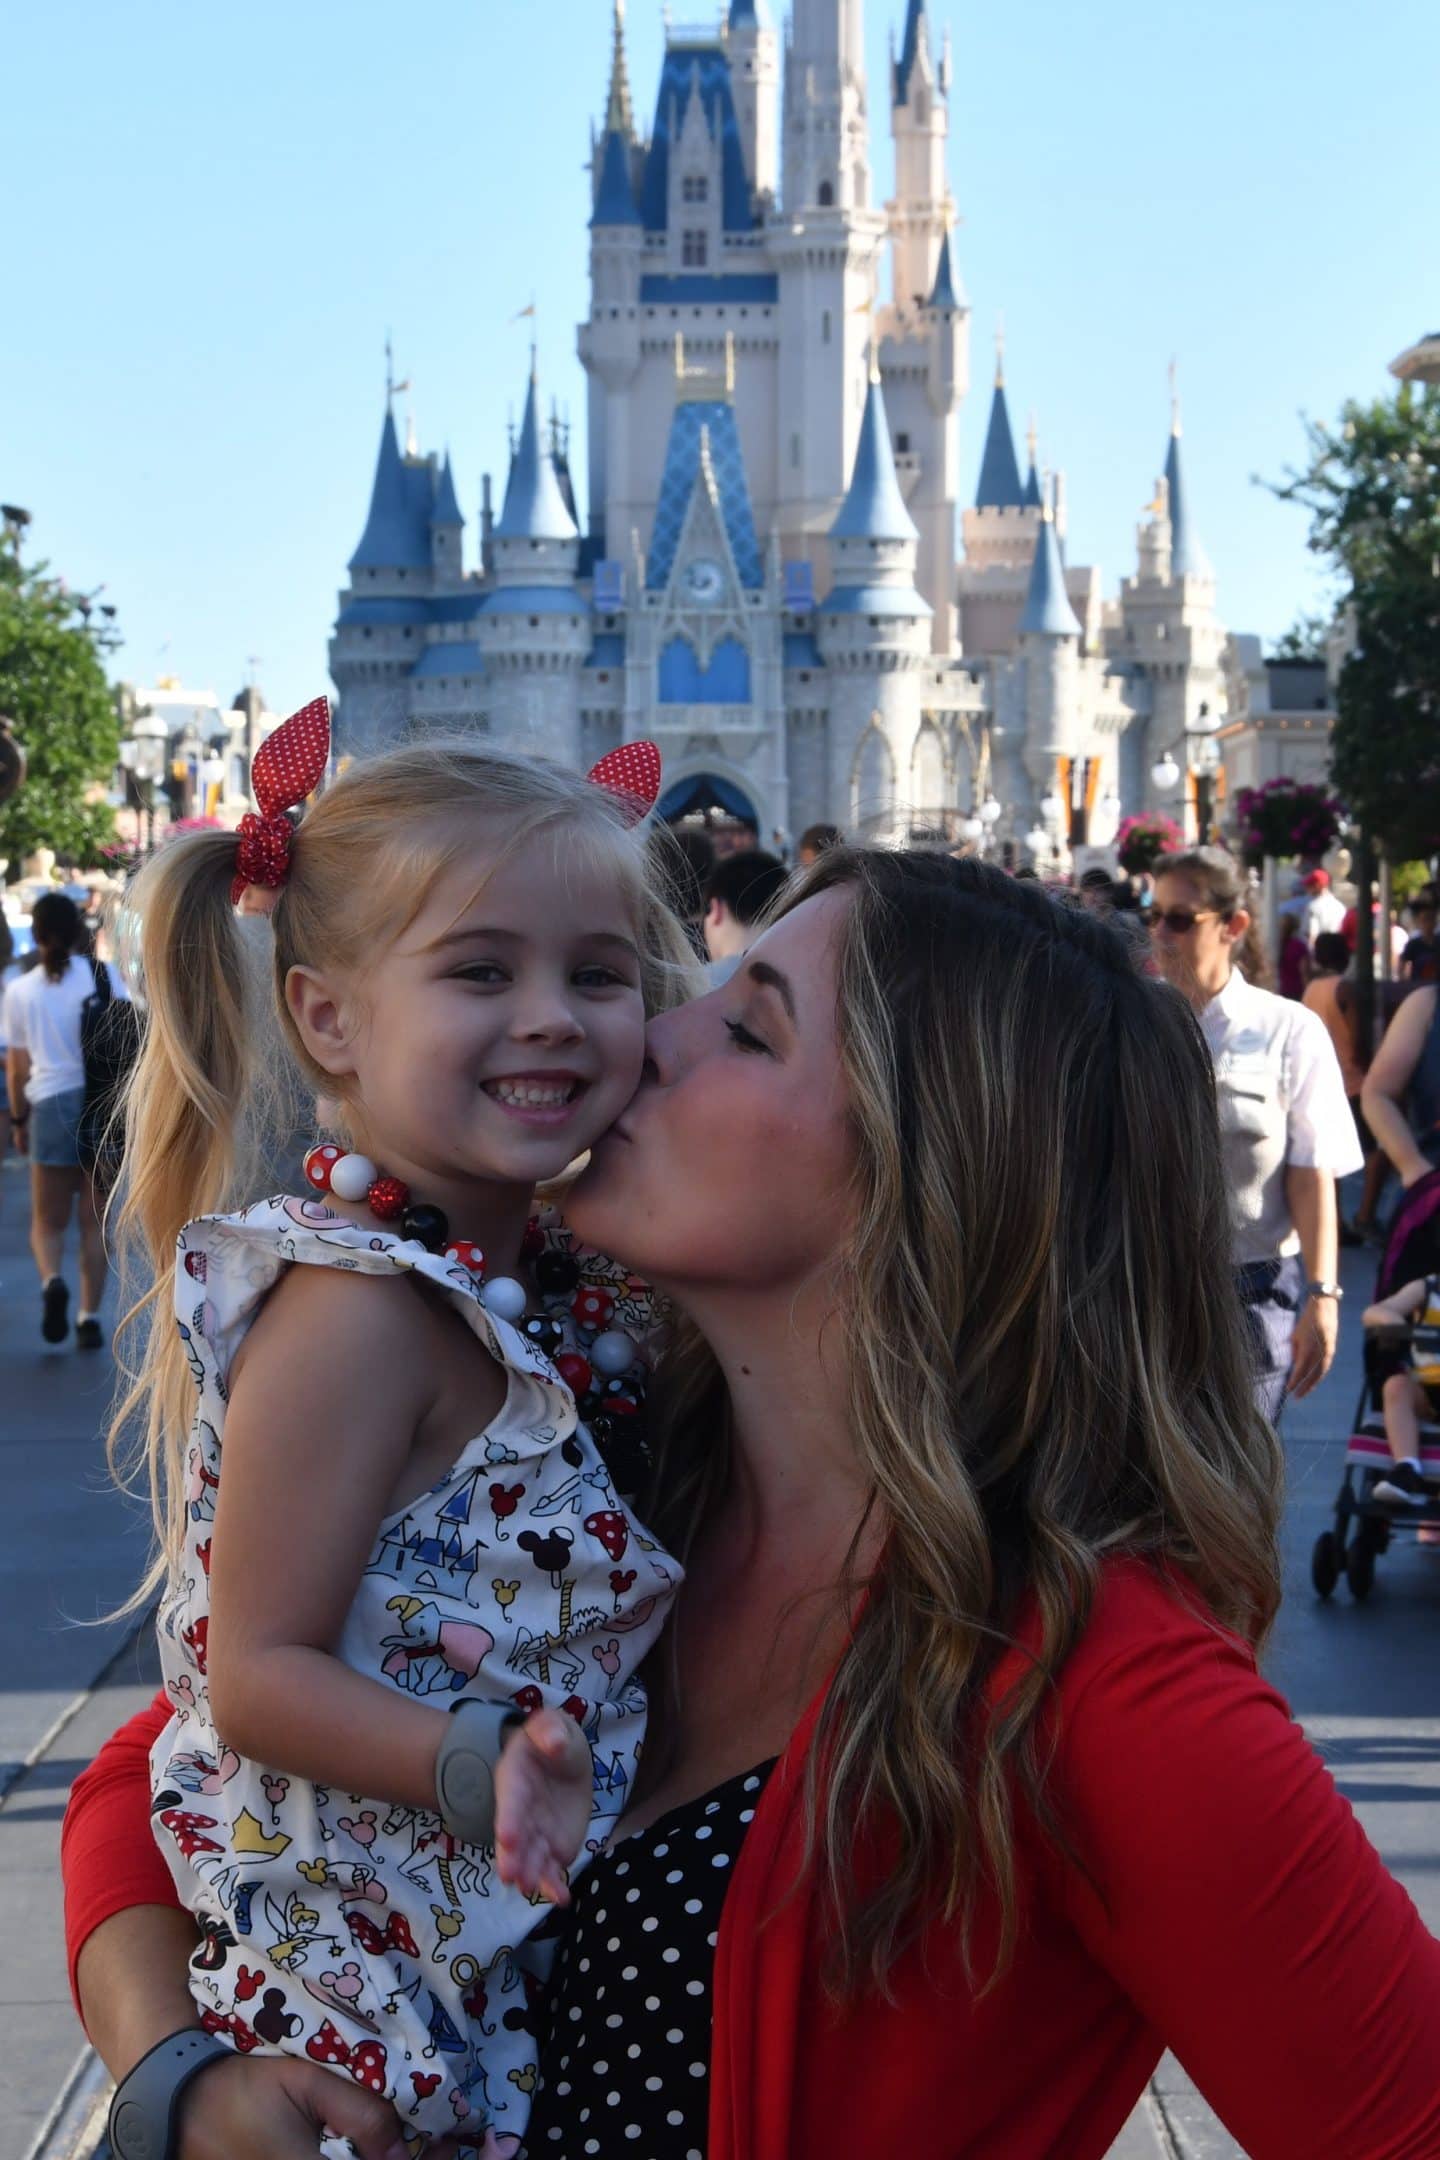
(52, 1202)
(1405, 1404)
(53, 1194)
(93, 1261)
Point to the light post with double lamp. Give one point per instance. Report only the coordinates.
(1202, 765)
(979, 827)
(143, 753)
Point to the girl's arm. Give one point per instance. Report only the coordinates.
(1395, 1311)
(1238, 1903)
(327, 1400)
(1388, 1081)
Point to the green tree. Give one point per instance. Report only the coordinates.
(1372, 488)
(1304, 640)
(53, 687)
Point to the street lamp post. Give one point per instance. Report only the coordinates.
(142, 761)
(1202, 765)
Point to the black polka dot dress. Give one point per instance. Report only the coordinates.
(625, 2069)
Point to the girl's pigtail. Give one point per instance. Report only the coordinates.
(185, 1111)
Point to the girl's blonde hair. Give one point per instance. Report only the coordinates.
(1047, 1368)
(224, 1089)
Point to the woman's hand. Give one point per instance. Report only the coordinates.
(544, 1799)
(279, 2108)
(1316, 1333)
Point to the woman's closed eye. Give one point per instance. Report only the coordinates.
(742, 1038)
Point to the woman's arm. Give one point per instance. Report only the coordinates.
(1388, 1081)
(321, 1424)
(1238, 1903)
(17, 1074)
(1395, 1311)
(129, 1943)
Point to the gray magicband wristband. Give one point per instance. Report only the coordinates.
(142, 2114)
(465, 1768)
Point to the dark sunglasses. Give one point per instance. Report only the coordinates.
(1180, 921)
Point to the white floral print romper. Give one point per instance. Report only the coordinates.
(337, 1925)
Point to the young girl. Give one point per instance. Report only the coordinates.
(1411, 1396)
(386, 1508)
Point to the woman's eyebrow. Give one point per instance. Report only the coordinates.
(770, 978)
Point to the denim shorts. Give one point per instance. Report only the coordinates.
(55, 1130)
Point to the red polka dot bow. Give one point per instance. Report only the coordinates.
(365, 2062)
(288, 767)
(632, 775)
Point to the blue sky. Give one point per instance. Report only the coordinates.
(222, 210)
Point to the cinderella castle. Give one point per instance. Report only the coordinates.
(762, 575)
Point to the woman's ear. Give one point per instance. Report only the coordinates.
(322, 1019)
(1237, 926)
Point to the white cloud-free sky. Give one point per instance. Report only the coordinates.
(209, 218)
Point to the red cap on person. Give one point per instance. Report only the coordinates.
(1318, 881)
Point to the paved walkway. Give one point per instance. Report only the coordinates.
(1361, 1678)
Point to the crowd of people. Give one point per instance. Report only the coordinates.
(924, 1531)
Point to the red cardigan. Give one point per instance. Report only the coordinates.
(1238, 1915)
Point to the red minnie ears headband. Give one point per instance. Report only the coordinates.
(290, 765)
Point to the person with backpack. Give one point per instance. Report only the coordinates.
(49, 1013)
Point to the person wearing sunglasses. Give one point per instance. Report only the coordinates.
(1286, 1127)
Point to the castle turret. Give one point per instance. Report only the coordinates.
(534, 629)
(754, 51)
(827, 146)
(447, 532)
(1168, 628)
(383, 613)
(1049, 647)
(874, 637)
(921, 214)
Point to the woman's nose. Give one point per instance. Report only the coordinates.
(662, 1048)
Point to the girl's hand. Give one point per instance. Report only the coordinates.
(543, 1804)
(279, 2108)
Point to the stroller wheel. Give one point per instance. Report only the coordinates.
(1360, 1566)
(1325, 1563)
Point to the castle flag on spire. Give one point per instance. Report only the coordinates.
(1048, 612)
(874, 508)
(534, 505)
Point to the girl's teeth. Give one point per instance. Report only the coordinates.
(530, 1097)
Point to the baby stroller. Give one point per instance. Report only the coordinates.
(1364, 1525)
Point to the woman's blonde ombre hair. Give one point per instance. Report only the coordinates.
(1047, 1369)
(224, 1094)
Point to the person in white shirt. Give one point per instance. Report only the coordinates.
(9, 972)
(45, 1077)
(1322, 910)
(1287, 1130)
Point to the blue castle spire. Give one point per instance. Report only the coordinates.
(1048, 612)
(910, 46)
(1000, 487)
(874, 508)
(397, 531)
(1187, 556)
(948, 292)
(447, 503)
(743, 15)
(534, 509)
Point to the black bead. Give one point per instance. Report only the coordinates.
(546, 1334)
(557, 1273)
(427, 1226)
(589, 1405)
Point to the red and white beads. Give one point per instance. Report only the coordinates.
(329, 1169)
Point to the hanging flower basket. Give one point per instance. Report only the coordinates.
(1141, 841)
(1287, 818)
